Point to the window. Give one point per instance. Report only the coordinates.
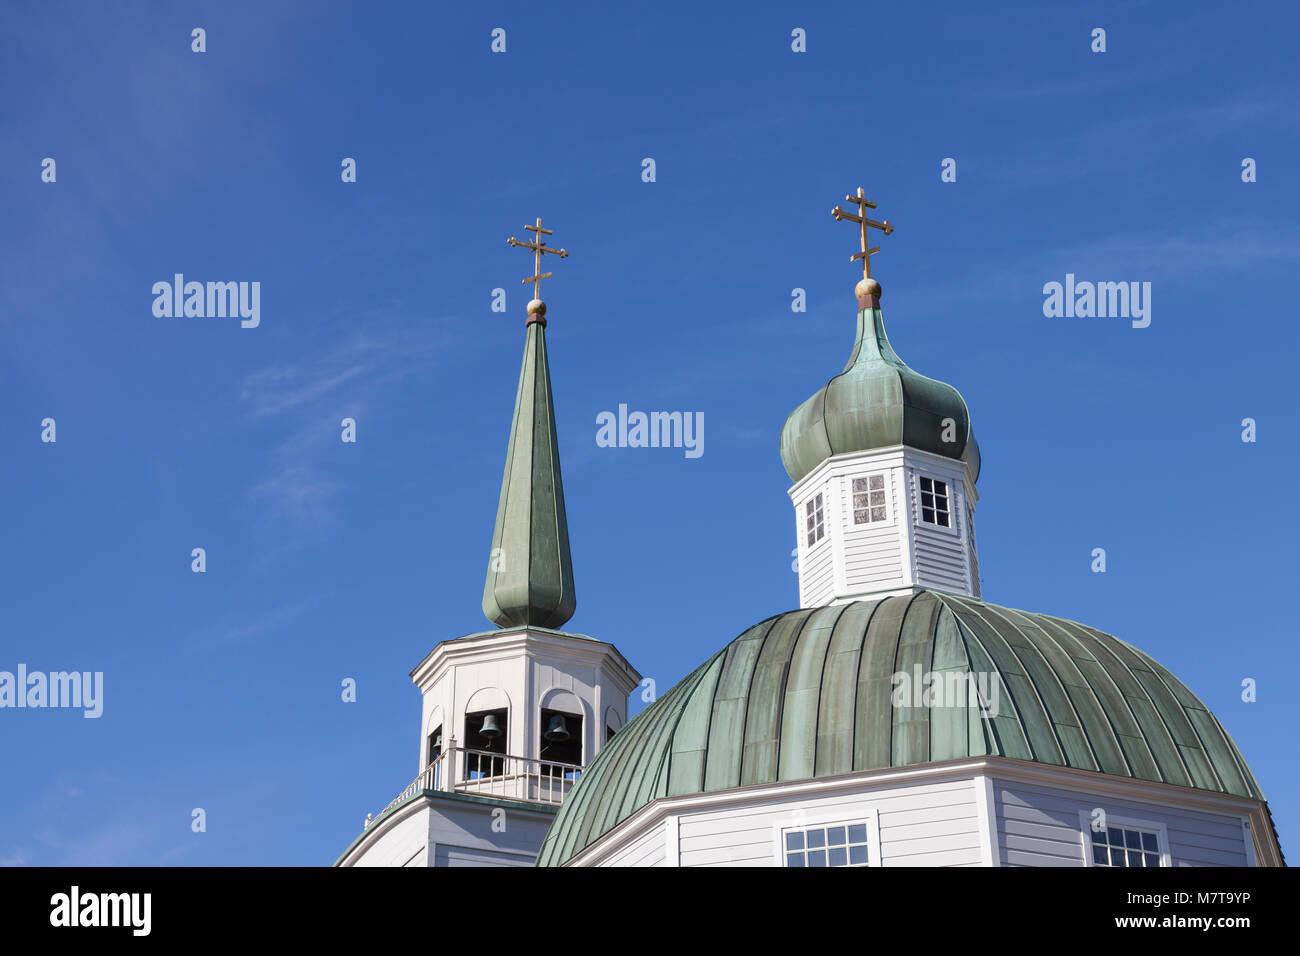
(934, 502)
(840, 844)
(1125, 846)
(869, 500)
(816, 525)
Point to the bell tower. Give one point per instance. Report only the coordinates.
(511, 716)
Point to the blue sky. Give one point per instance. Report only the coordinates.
(327, 561)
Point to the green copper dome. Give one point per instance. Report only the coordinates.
(876, 402)
(809, 693)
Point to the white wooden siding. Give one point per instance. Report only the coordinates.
(940, 553)
(926, 825)
(816, 563)
(936, 816)
(857, 562)
(648, 849)
(445, 831)
(463, 856)
(816, 573)
(406, 843)
(873, 556)
(1039, 826)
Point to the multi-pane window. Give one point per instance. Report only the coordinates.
(869, 499)
(1125, 846)
(816, 524)
(843, 844)
(934, 502)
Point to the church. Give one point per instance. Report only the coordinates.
(894, 719)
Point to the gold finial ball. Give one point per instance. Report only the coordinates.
(868, 287)
(536, 307)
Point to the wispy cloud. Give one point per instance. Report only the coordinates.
(113, 846)
(300, 493)
(1129, 131)
(272, 391)
(1232, 249)
(266, 623)
(306, 401)
(1240, 249)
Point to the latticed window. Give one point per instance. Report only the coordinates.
(934, 502)
(1125, 846)
(869, 500)
(816, 524)
(842, 844)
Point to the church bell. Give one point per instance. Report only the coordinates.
(556, 731)
(490, 729)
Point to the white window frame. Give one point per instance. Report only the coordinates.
(1160, 830)
(954, 505)
(851, 522)
(803, 521)
(799, 820)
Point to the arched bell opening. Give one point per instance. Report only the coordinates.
(561, 737)
(486, 733)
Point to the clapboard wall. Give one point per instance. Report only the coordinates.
(1041, 826)
(449, 830)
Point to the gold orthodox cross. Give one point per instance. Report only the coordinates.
(539, 249)
(863, 204)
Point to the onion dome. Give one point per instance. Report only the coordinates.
(877, 402)
(811, 693)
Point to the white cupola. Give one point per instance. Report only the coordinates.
(884, 465)
(886, 521)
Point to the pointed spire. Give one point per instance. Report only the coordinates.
(530, 570)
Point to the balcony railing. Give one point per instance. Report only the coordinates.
(480, 772)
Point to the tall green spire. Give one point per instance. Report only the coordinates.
(530, 570)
